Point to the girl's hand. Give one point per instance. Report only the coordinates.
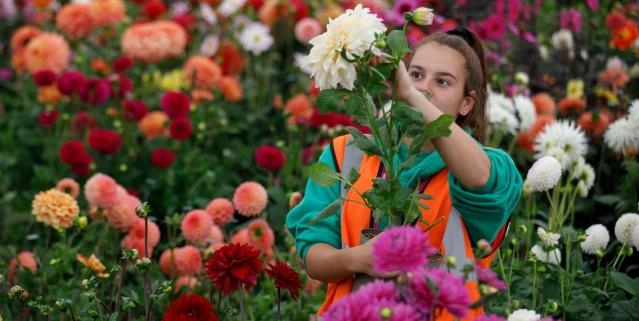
(362, 260)
(405, 90)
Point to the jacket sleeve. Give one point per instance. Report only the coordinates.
(486, 209)
(315, 199)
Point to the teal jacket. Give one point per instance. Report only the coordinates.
(484, 210)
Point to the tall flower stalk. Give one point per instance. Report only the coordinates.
(340, 61)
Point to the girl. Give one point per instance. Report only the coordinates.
(474, 188)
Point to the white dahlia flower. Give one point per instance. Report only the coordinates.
(544, 174)
(526, 112)
(350, 34)
(633, 112)
(565, 135)
(625, 226)
(548, 238)
(562, 40)
(634, 237)
(552, 257)
(622, 135)
(524, 315)
(597, 238)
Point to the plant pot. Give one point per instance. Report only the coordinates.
(362, 278)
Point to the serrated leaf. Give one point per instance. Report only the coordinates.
(355, 108)
(322, 174)
(438, 127)
(353, 176)
(329, 99)
(407, 114)
(329, 210)
(362, 142)
(396, 41)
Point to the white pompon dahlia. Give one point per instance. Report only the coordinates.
(633, 112)
(625, 226)
(524, 315)
(565, 135)
(256, 38)
(634, 237)
(622, 135)
(526, 112)
(548, 238)
(584, 174)
(352, 34)
(597, 238)
(551, 257)
(544, 174)
(501, 113)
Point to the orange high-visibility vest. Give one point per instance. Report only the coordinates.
(449, 236)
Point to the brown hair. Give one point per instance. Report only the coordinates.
(470, 47)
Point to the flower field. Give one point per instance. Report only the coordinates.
(150, 151)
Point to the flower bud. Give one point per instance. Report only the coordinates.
(553, 307)
(294, 199)
(143, 264)
(484, 247)
(581, 237)
(81, 222)
(629, 250)
(90, 295)
(522, 229)
(516, 304)
(386, 313)
(600, 253)
(521, 78)
(1, 278)
(142, 210)
(85, 284)
(15, 291)
(451, 261)
(487, 289)
(423, 16)
(54, 261)
(380, 43)
(59, 304)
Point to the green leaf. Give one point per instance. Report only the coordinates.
(329, 210)
(396, 41)
(438, 127)
(625, 310)
(362, 142)
(383, 70)
(353, 176)
(355, 107)
(322, 174)
(626, 283)
(406, 114)
(610, 199)
(329, 99)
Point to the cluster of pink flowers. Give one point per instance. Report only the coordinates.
(421, 292)
(105, 195)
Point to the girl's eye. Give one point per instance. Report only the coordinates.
(415, 75)
(443, 82)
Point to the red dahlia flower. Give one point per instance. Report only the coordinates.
(122, 64)
(232, 265)
(181, 128)
(134, 109)
(175, 104)
(105, 141)
(162, 157)
(95, 91)
(47, 118)
(191, 307)
(70, 82)
(270, 158)
(44, 77)
(285, 278)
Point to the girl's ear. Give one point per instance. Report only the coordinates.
(468, 103)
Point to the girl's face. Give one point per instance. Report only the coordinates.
(439, 70)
